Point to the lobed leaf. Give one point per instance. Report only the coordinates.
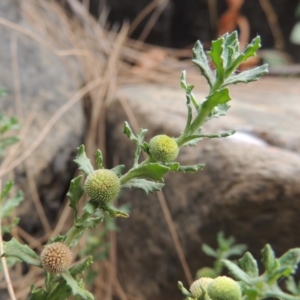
(128, 131)
(99, 159)
(118, 170)
(209, 251)
(268, 258)
(82, 161)
(290, 259)
(37, 294)
(143, 184)
(15, 249)
(75, 193)
(236, 271)
(11, 203)
(191, 168)
(200, 59)
(76, 288)
(79, 268)
(247, 76)
(249, 265)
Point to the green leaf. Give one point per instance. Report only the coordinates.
(183, 290)
(154, 171)
(92, 222)
(14, 249)
(236, 271)
(216, 55)
(143, 184)
(291, 286)
(2, 92)
(209, 251)
(247, 76)
(118, 170)
(113, 212)
(249, 51)
(128, 131)
(90, 207)
(213, 100)
(249, 265)
(268, 258)
(11, 203)
(61, 292)
(75, 193)
(37, 294)
(6, 189)
(238, 249)
(231, 48)
(79, 268)
(99, 159)
(7, 123)
(290, 259)
(8, 141)
(12, 224)
(200, 59)
(191, 169)
(82, 161)
(76, 288)
(173, 166)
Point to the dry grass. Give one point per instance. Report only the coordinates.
(102, 61)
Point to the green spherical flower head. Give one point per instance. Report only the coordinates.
(198, 285)
(224, 288)
(163, 148)
(102, 185)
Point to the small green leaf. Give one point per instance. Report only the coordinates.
(8, 141)
(92, 222)
(2, 92)
(217, 135)
(238, 249)
(37, 294)
(99, 159)
(191, 169)
(6, 189)
(76, 288)
(14, 249)
(143, 184)
(236, 271)
(173, 166)
(290, 259)
(128, 131)
(268, 258)
(243, 56)
(213, 100)
(231, 48)
(61, 292)
(82, 161)
(118, 170)
(249, 265)
(183, 290)
(11, 203)
(291, 286)
(113, 212)
(247, 76)
(216, 55)
(75, 193)
(200, 59)
(90, 207)
(154, 171)
(79, 268)
(209, 251)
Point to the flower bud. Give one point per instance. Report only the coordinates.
(224, 288)
(56, 258)
(163, 148)
(198, 285)
(102, 185)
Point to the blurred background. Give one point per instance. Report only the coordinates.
(74, 71)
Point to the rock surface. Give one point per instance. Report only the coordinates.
(249, 187)
(45, 85)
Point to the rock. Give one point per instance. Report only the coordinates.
(249, 187)
(45, 86)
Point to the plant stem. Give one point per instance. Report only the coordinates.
(75, 230)
(130, 174)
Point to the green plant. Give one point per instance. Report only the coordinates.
(226, 248)
(103, 185)
(7, 124)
